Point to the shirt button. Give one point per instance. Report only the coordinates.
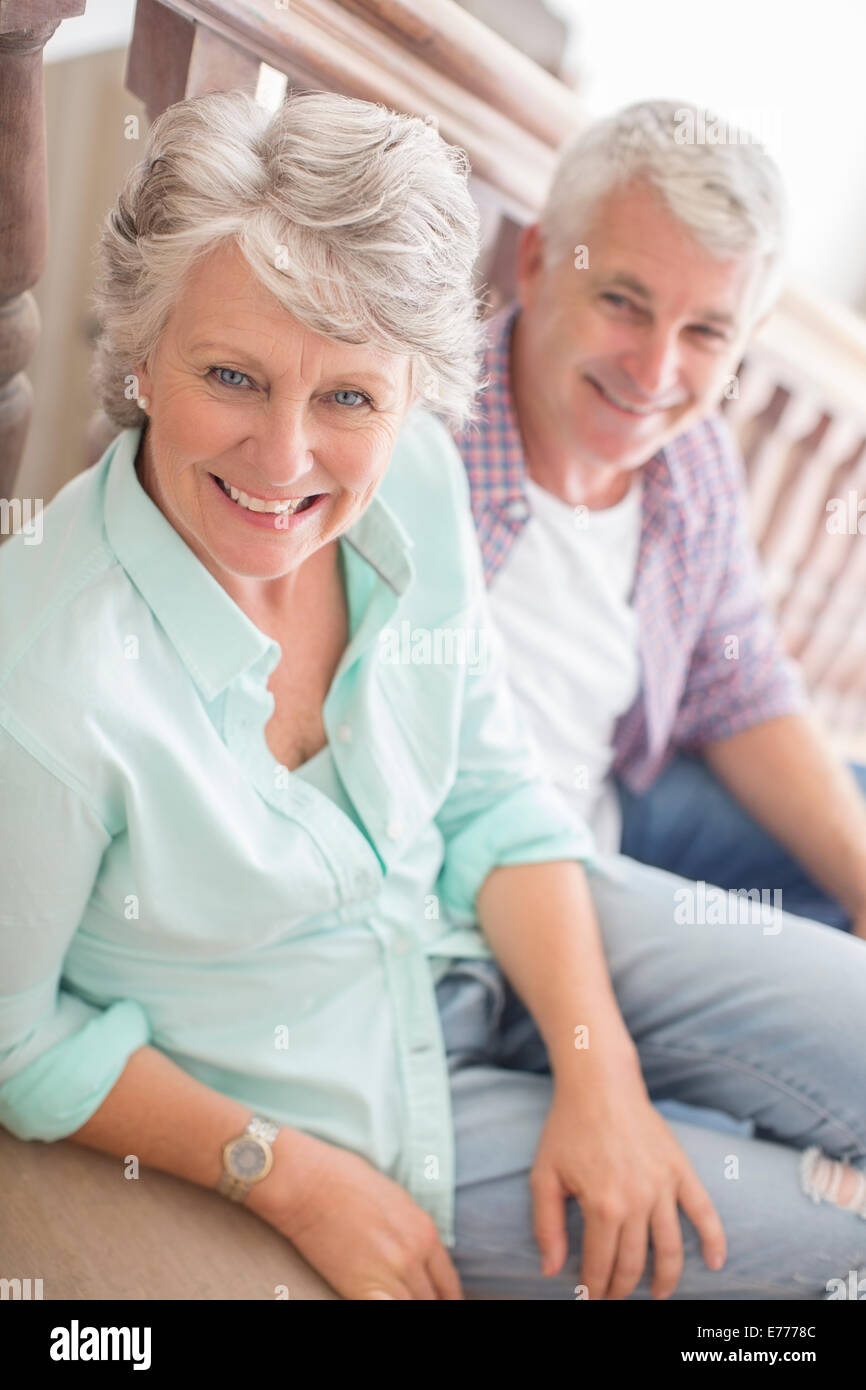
(394, 829)
(344, 733)
(401, 945)
(517, 510)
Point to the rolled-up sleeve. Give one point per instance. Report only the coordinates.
(59, 1055)
(500, 809)
(739, 674)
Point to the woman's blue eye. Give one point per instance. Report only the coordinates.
(229, 372)
(359, 397)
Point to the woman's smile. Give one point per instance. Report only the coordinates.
(271, 514)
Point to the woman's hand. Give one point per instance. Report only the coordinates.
(358, 1228)
(608, 1147)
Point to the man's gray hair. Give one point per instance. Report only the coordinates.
(357, 219)
(715, 179)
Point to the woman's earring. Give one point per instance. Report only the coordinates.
(142, 402)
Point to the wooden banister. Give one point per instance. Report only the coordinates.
(172, 57)
(323, 43)
(458, 45)
(25, 27)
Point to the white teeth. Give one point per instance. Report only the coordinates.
(256, 504)
(632, 410)
(623, 405)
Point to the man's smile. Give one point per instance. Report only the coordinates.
(629, 407)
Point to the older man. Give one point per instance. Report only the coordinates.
(610, 504)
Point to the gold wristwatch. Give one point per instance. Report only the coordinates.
(248, 1158)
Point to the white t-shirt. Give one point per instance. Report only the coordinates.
(562, 602)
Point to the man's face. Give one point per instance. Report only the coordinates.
(634, 348)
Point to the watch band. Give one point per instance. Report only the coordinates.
(234, 1187)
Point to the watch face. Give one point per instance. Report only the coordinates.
(246, 1159)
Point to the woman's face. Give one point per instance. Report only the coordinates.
(242, 397)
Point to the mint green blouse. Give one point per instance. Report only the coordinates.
(276, 933)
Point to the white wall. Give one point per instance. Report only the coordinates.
(104, 24)
(798, 68)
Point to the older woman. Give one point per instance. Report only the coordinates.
(263, 781)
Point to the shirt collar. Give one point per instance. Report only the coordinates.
(212, 634)
(506, 481)
(380, 538)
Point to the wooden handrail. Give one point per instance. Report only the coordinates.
(804, 318)
(324, 43)
(25, 27)
(457, 44)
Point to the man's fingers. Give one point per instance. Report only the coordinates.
(600, 1241)
(667, 1240)
(420, 1286)
(698, 1207)
(443, 1274)
(548, 1215)
(630, 1257)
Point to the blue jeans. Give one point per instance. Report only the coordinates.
(690, 825)
(769, 1028)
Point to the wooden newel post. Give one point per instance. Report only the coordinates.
(24, 30)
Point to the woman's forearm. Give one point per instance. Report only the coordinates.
(540, 923)
(169, 1120)
(358, 1228)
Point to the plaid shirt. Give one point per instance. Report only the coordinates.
(711, 663)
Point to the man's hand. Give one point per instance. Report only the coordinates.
(602, 1141)
(611, 1150)
(358, 1228)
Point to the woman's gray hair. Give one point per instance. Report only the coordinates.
(713, 176)
(357, 219)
